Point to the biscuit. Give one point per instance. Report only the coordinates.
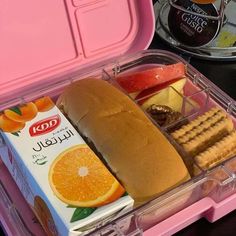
(207, 140)
(217, 153)
(204, 131)
(208, 137)
(211, 121)
(195, 123)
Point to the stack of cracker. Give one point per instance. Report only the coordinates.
(209, 139)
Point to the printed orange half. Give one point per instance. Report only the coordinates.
(11, 126)
(44, 104)
(22, 113)
(78, 177)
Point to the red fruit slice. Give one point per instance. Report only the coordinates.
(145, 79)
(177, 84)
(156, 88)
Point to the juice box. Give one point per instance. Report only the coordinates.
(61, 178)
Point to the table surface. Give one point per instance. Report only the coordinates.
(223, 74)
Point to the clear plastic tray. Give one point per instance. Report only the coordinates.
(210, 194)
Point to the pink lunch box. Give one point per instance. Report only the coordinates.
(46, 45)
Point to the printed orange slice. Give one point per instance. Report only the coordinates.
(77, 177)
(22, 113)
(44, 104)
(11, 126)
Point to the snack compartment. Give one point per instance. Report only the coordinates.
(167, 107)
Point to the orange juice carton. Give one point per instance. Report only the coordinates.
(65, 183)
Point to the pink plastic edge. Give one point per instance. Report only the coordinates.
(205, 207)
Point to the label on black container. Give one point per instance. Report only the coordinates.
(190, 29)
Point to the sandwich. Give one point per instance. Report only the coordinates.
(132, 147)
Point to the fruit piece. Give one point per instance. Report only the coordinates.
(10, 126)
(169, 97)
(22, 113)
(44, 104)
(134, 95)
(78, 178)
(44, 216)
(178, 85)
(191, 104)
(145, 79)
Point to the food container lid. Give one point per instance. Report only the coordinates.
(42, 39)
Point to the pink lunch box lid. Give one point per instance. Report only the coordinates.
(42, 39)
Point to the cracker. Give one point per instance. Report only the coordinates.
(208, 137)
(204, 131)
(196, 122)
(202, 127)
(217, 153)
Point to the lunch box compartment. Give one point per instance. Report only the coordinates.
(217, 184)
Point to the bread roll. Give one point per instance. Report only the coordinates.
(138, 154)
